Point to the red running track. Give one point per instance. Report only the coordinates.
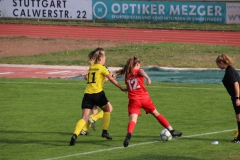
(102, 33)
(122, 34)
(44, 71)
(41, 71)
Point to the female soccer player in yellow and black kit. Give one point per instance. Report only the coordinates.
(95, 114)
(94, 94)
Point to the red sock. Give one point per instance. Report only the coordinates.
(131, 126)
(163, 121)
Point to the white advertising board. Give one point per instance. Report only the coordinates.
(233, 13)
(47, 9)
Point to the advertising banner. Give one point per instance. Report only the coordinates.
(233, 13)
(47, 9)
(113, 10)
(159, 11)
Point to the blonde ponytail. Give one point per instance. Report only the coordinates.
(95, 55)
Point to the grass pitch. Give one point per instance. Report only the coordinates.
(151, 54)
(38, 117)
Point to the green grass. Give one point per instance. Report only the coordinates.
(159, 54)
(162, 25)
(39, 115)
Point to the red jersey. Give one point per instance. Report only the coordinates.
(135, 86)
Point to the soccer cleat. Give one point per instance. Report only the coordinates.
(92, 122)
(127, 140)
(106, 135)
(175, 133)
(73, 140)
(86, 133)
(235, 141)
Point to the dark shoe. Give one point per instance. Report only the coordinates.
(235, 141)
(73, 140)
(106, 135)
(175, 133)
(86, 133)
(127, 140)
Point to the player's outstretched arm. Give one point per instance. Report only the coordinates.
(144, 74)
(113, 81)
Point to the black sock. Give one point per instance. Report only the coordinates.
(104, 131)
(238, 130)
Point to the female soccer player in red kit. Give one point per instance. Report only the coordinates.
(139, 97)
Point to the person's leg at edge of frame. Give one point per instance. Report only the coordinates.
(238, 123)
(237, 140)
(235, 133)
(131, 125)
(238, 130)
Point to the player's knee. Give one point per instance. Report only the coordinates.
(110, 109)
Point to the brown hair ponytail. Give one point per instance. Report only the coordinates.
(225, 59)
(128, 68)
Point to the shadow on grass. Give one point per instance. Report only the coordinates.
(49, 138)
(157, 156)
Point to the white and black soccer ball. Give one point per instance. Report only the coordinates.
(165, 135)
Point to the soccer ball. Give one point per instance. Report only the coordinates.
(165, 135)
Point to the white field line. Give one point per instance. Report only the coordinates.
(138, 144)
(152, 86)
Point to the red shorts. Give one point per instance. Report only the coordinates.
(135, 105)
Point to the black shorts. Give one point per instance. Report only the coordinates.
(98, 99)
(236, 108)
